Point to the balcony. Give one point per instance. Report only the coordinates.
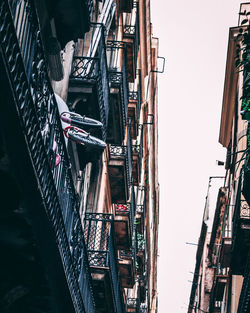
(134, 106)
(241, 230)
(143, 308)
(120, 171)
(141, 254)
(137, 157)
(41, 145)
(220, 284)
(133, 305)
(132, 39)
(127, 264)
(88, 85)
(225, 256)
(127, 243)
(102, 255)
(124, 222)
(118, 79)
(143, 286)
(217, 307)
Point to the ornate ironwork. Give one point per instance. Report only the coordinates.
(133, 95)
(129, 30)
(124, 152)
(118, 73)
(244, 210)
(115, 78)
(94, 69)
(85, 68)
(136, 148)
(143, 308)
(132, 303)
(140, 208)
(122, 209)
(40, 121)
(115, 44)
(116, 150)
(99, 237)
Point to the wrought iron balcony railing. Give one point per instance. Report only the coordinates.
(140, 208)
(128, 262)
(39, 117)
(138, 156)
(133, 305)
(118, 73)
(143, 308)
(131, 34)
(99, 237)
(135, 92)
(93, 69)
(125, 153)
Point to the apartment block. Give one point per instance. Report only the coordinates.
(78, 157)
(226, 272)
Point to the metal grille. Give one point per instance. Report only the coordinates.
(39, 118)
(94, 69)
(97, 234)
(129, 158)
(99, 237)
(118, 151)
(132, 303)
(118, 73)
(133, 95)
(143, 308)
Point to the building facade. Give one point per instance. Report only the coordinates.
(225, 274)
(78, 157)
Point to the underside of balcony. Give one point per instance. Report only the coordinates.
(102, 284)
(226, 252)
(220, 284)
(136, 165)
(131, 57)
(126, 268)
(116, 123)
(122, 228)
(118, 174)
(132, 115)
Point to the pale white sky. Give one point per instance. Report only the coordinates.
(193, 37)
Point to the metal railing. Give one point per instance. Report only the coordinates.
(131, 29)
(88, 69)
(40, 121)
(143, 308)
(138, 148)
(129, 159)
(124, 152)
(118, 73)
(129, 210)
(134, 304)
(132, 252)
(135, 93)
(99, 237)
